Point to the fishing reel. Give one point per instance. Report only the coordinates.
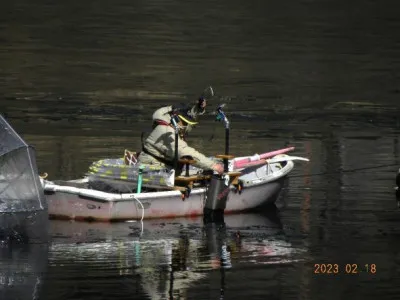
(221, 117)
(186, 193)
(238, 187)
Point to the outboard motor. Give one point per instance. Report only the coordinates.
(218, 189)
(216, 197)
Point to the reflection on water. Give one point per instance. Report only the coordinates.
(22, 270)
(24, 227)
(171, 257)
(23, 254)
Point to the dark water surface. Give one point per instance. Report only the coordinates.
(80, 79)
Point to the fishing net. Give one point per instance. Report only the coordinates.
(20, 187)
(115, 173)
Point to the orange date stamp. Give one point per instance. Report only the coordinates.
(344, 269)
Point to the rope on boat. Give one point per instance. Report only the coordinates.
(141, 220)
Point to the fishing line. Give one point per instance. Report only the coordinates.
(291, 120)
(346, 171)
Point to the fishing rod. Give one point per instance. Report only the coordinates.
(221, 116)
(176, 128)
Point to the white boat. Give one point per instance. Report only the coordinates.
(248, 182)
(74, 199)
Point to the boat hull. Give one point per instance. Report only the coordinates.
(262, 185)
(170, 204)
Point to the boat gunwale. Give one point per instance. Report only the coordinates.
(101, 196)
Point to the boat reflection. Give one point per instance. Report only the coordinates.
(170, 256)
(21, 270)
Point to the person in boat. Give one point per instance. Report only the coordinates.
(159, 147)
(198, 108)
(193, 113)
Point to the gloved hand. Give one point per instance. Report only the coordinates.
(219, 168)
(206, 94)
(202, 103)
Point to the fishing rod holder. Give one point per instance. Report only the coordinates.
(221, 116)
(176, 128)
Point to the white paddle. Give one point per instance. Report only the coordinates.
(285, 158)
